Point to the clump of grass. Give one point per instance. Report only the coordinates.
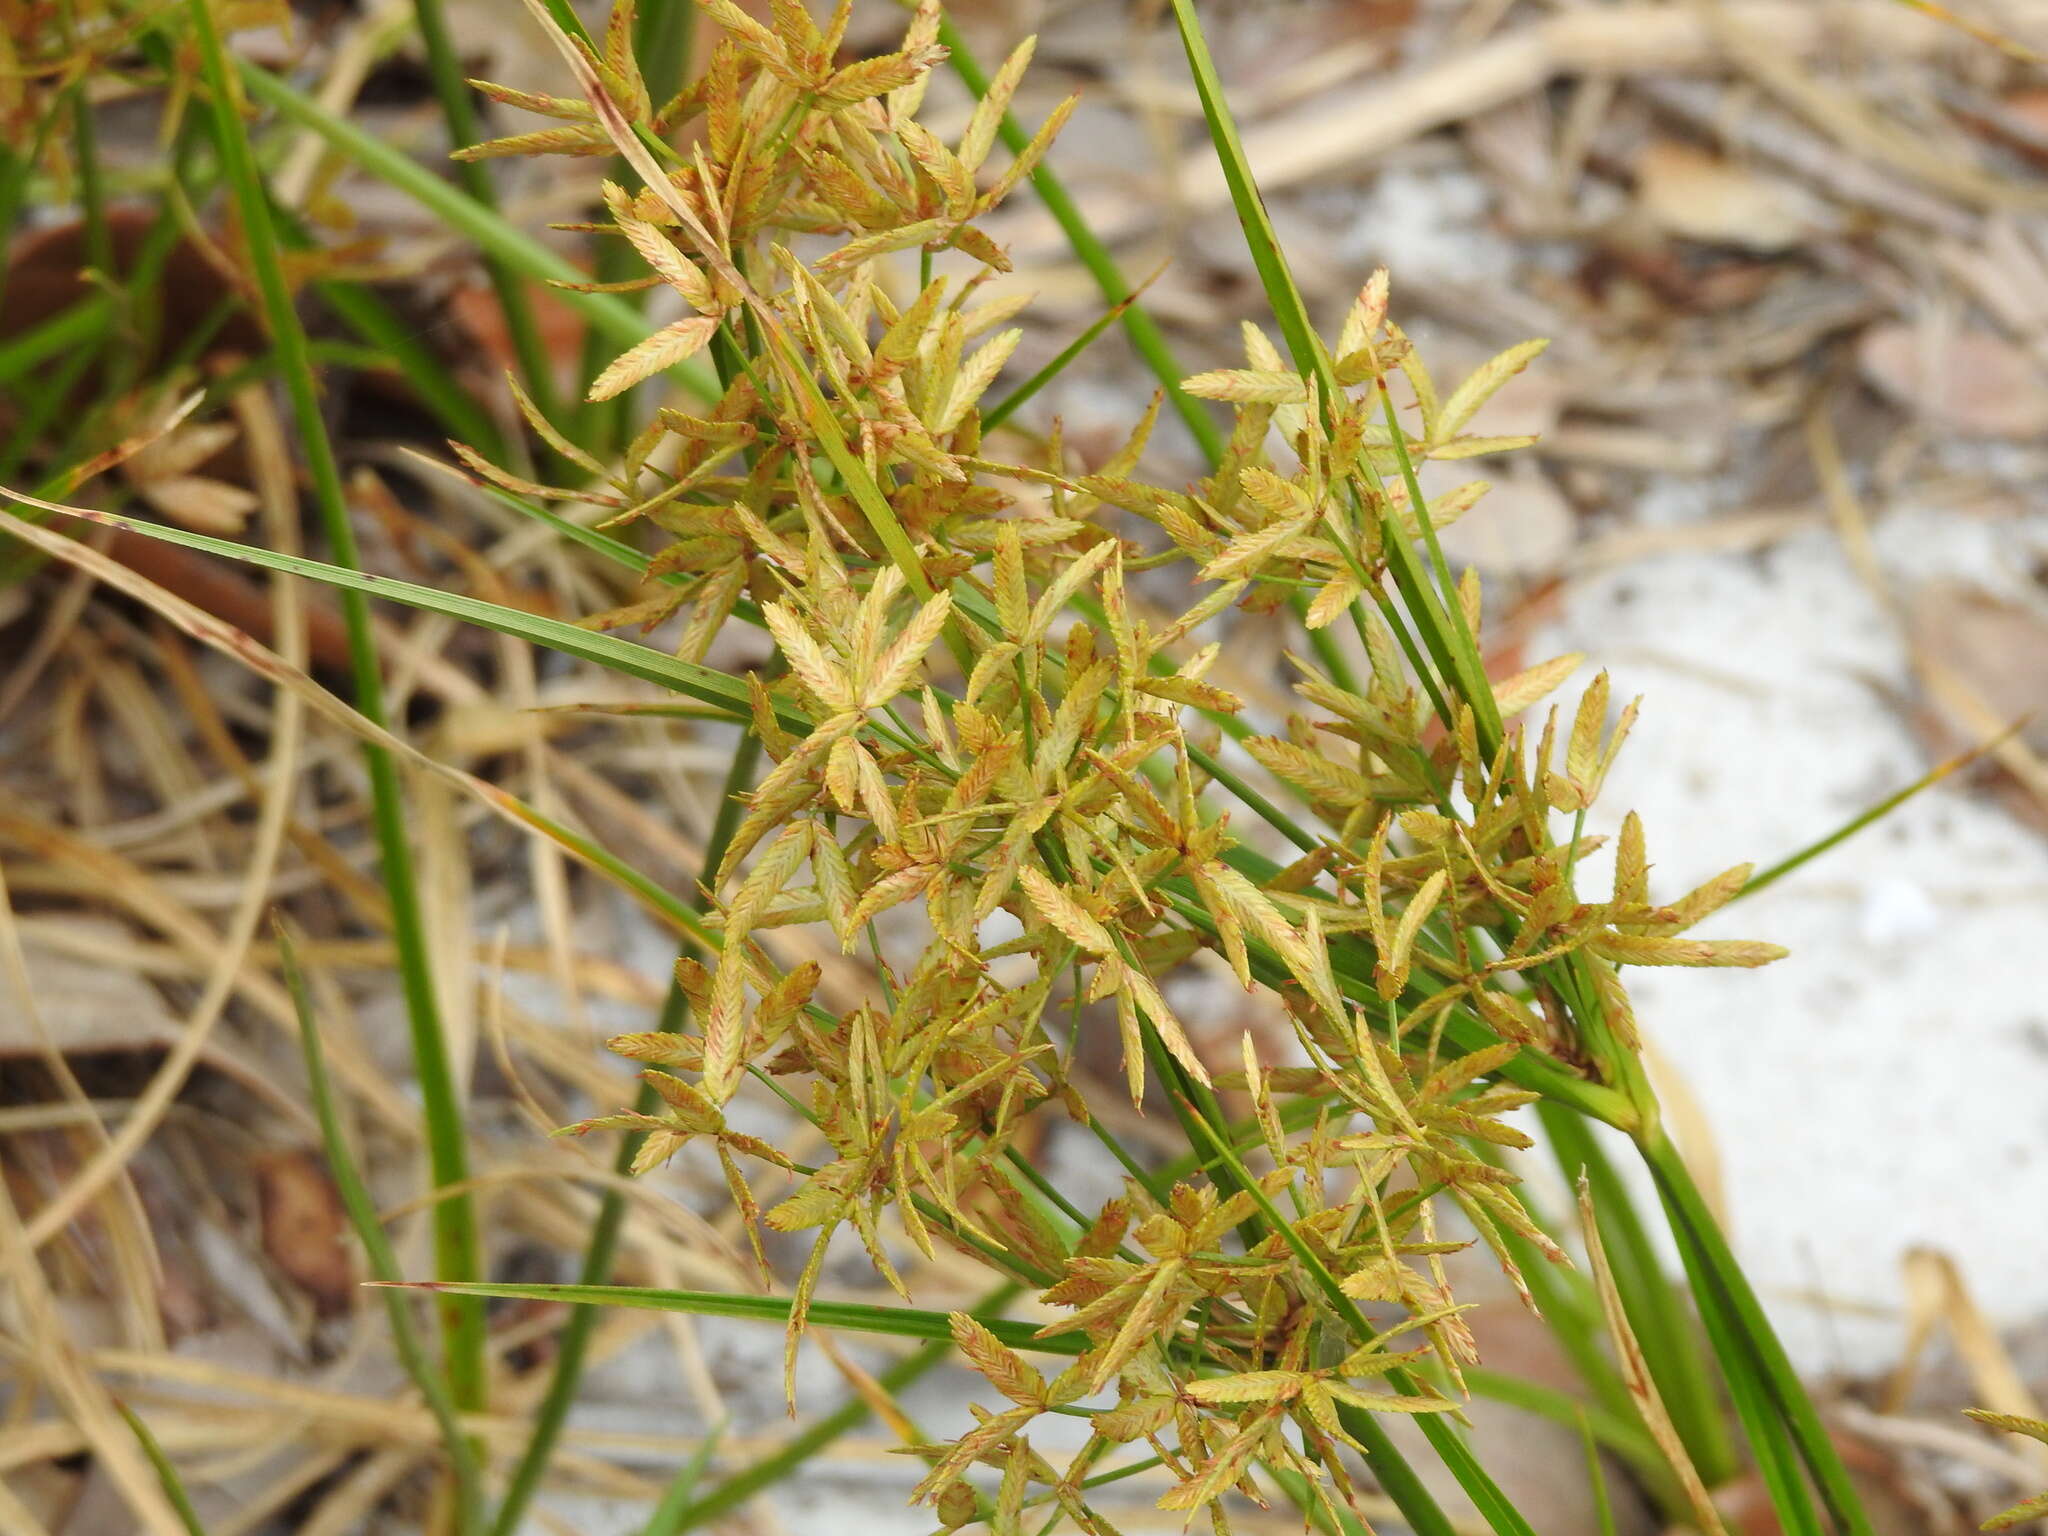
(975, 710)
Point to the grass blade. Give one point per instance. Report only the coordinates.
(1622, 1435)
(452, 89)
(855, 1317)
(69, 328)
(806, 1443)
(1708, 1256)
(456, 1245)
(676, 1497)
(573, 1346)
(1450, 646)
(1772, 874)
(369, 1230)
(621, 656)
(174, 1486)
(1397, 1479)
(1776, 1458)
(1596, 1477)
(454, 407)
(1006, 407)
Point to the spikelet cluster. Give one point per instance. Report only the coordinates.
(973, 713)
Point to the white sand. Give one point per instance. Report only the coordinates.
(1887, 1085)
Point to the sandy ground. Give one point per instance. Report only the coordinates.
(1885, 1087)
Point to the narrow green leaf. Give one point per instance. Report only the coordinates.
(855, 1317)
(451, 88)
(1596, 1477)
(1772, 874)
(1005, 408)
(1708, 1257)
(806, 1443)
(1396, 1477)
(1623, 1436)
(676, 1499)
(166, 1473)
(608, 651)
(70, 327)
(456, 1245)
(1449, 645)
(572, 1348)
(1147, 340)
(361, 1207)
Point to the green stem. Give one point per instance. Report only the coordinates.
(1622, 1434)
(664, 39)
(770, 1470)
(1681, 1370)
(1395, 1476)
(166, 1472)
(682, 1488)
(1007, 407)
(456, 1246)
(1771, 1448)
(1771, 874)
(99, 237)
(857, 1317)
(453, 406)
(500, 240)
(1453, 661)
(369, 1229)
(1700, 1238)
(573, 1346)
(70, 327)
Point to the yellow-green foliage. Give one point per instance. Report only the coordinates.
(994, 722)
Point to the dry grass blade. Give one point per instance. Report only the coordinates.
(1938, 1298)
(274, 476)
(76, 1390)
(1636, 1372)
(265, 663)
(369, 1229)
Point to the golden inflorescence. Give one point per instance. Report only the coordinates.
(993, 723)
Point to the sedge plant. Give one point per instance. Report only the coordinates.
(995, 757)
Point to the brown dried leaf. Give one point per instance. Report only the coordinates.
(303, 1224)
(1696, 195)
(1971, 382)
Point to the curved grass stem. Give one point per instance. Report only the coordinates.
(572, 1348)
(1756, 1352)
(456, 1247)
(383, 1262)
